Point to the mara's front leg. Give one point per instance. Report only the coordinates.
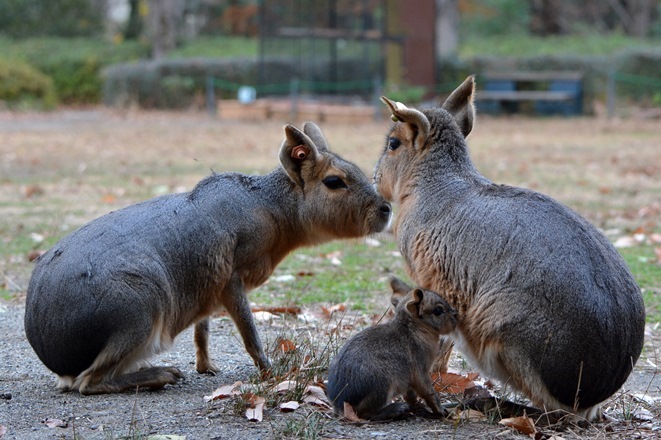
(203, 363)
(236, 303)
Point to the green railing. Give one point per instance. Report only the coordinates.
(651, 85)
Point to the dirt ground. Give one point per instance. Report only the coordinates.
(59, 170)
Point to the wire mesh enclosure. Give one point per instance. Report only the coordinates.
(322, 47)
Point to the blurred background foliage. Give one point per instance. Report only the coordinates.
(71, 42)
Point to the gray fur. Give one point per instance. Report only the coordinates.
(546, 304)
(121, 288)
(392, 359)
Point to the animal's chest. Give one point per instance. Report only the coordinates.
(256, 274)
(431, 265)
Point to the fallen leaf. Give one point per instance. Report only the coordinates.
(328, 311)
(34, 254)
(523, 424)
(256, 410)
(3, 430)
(372, 242)
(265, 316)
(108, 198)
(285, 386)
(33, 190)
(286, 345)
(655, 238)
(55, 423)
(451, 383)
(290, 406)
(283, 278)
(37, 238)
(334, 258)
(350, 414)
(642, 414)
(624, 242)
(639, 237)
(315, 395)
(305, 273)
(281, 310)
(639, 230)
(224, 391)
(469, 415)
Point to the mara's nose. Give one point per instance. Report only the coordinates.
(385, 208)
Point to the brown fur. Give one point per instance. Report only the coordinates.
(393, 359)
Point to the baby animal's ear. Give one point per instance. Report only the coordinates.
(413, 306)
(297, 150)
(399, 290)
(460, 105)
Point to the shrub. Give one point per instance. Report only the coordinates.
(24, 86)
(67, 18)
(74, 64)
(176, 83)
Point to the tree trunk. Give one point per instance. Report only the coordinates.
(447, 28)
(134, 25)
(545, 17)
(635, 15)
(163, 21)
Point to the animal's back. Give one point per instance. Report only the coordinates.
(364, 369)
(123, 270)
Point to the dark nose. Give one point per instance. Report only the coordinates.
(385, 208)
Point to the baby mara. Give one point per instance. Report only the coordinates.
(393, 359)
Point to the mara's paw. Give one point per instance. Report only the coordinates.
(207, 367)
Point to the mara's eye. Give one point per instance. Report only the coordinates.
(438, 311)
(334, 182)
(394, 143)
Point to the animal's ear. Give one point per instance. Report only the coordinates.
(297, 150)
(460, 105)
(414, 119)
(399, 290)
(413, 306)
(314, 132)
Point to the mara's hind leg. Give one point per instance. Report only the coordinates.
(116, 368)
(153, 378)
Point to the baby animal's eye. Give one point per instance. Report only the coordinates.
(334, 182)
(394, 143)
(438, 311)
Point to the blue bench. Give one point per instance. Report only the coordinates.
(549, 92)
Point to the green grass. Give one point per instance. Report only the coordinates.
(358, 281)
(647, 271)
(521, 45)
(217, 47)
(44, 50)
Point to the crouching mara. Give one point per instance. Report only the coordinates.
(392, 359)
(545, 303)
(121, 288)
